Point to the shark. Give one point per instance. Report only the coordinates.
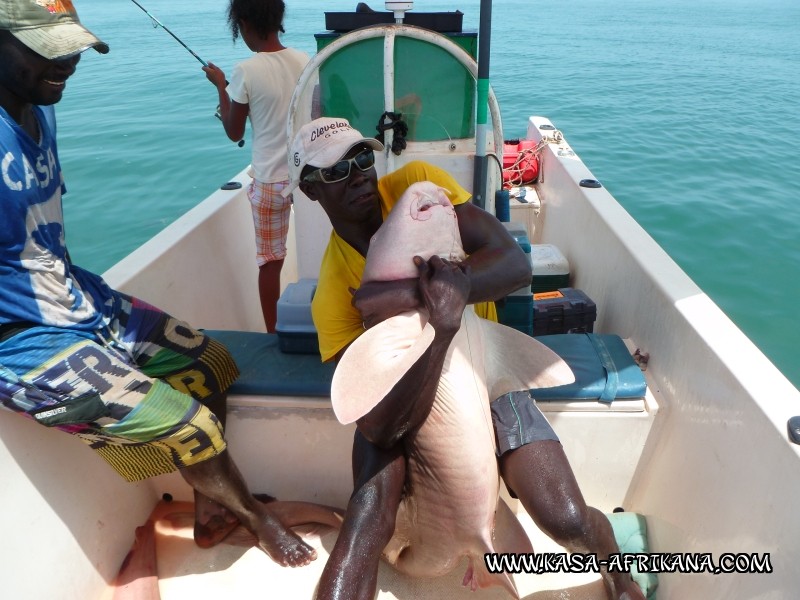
(453, 508)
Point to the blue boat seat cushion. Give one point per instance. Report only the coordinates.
(604, 368)
(266, 371)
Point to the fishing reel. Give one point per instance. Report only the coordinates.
(218, 114)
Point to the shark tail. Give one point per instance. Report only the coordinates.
(508, 537)
(477, 576)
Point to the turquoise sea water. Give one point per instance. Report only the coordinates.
(686, 110)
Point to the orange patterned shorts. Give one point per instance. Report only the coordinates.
(271, 219)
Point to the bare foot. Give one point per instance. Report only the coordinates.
(294, 513)
(279, 542)
(212, 521)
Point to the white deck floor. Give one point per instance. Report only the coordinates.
(236, 570)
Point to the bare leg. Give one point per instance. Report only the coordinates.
(540, 475)
(219, 480)
(293, 513)
(212, 521)
(351, 572)
(269, 290)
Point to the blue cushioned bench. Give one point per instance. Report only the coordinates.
(266, 371)
(603, 367)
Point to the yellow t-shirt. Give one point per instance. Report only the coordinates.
(337, 321)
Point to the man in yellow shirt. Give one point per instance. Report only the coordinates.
(343, 265)
(333, 164)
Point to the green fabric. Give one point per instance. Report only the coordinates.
(163, 409)
(86, 409)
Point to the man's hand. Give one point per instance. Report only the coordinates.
(444, 287)
(380, 300)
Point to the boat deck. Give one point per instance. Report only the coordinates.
(302, 430)
(235, 569)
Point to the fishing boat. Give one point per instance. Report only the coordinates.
(703, 454)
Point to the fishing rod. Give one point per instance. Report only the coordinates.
(157, 23)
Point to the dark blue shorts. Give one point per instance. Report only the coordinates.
(518, 421)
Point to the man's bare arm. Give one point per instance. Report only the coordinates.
(380, 300)
(498, 265)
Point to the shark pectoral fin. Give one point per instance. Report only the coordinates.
(375, 362)
(515, 361)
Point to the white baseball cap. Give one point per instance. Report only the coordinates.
(48, 27)
(322, 143)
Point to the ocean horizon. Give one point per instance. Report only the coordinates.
(684, 110)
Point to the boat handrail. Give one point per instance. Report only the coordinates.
(300, 114)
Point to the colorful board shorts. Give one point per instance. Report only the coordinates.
(271, 213)
(135, 391)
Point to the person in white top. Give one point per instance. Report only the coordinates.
(261, 87)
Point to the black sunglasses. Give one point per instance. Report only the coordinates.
(364, 160)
